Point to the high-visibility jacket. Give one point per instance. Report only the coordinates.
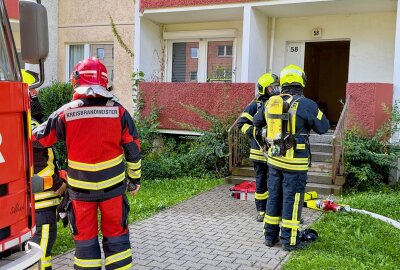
(101, 139)
(44, 166)
(305, 116)
(245, 124)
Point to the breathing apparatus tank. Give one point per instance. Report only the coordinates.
(277, 117)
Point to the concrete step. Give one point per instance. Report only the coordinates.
(326, 138)
(321, 157)
(324, 189)
(313, 177)
(323, 167)
(244, 171)
(234, 179)
(319, 178)
(321, 147)
(320, 167)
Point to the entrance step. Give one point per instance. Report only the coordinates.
(323, 189)
(321, 157)
(319, 178)
(315, 138)
(320, 167)
(313, 177)
(321, 147)
(244, 171)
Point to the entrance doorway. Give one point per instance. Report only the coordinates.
(326, 65)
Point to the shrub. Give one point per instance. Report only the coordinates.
(369, 160)
(51, 98)
(196, 156)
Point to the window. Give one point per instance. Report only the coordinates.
(224, 50)
(193, 76)
(78, 52)
(194, 52)
(219, 69)
(183, 64)
(100, 53)
(190, 61)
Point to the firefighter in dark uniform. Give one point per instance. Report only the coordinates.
(46, 201)
(288, 170)
(267, 84)
(103, 150)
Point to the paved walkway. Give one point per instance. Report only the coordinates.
(209, 231)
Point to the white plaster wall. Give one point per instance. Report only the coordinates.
(51, 63)
(151, 50)
(237, 25)
(258, 39)
(371, 35)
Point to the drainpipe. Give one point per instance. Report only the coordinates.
(271, 49)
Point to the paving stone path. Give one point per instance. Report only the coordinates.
(209, 231)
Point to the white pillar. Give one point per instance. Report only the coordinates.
(246, 44)
(255, 44)
(396, 67)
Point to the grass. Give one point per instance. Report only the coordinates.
(355, 241)
(154, 196)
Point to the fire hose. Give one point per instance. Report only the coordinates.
(329, 205)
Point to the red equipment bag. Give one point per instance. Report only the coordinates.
(244, 191)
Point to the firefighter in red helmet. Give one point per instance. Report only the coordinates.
(102, 142)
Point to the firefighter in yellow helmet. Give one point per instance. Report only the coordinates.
(267, 85)
(290, 117)
(46, 200)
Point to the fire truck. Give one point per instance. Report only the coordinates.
(17, 211)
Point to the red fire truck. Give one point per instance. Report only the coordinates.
(17, 212)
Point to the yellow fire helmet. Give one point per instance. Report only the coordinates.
(29, 77)
(266, 80)
(293, 75)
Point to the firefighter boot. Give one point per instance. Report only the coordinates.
(260, 210)
(301, 245)
(272, 243)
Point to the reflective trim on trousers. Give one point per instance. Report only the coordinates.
(87, 262)
(118, 257)
(261, 196)
(272, 220)
(43, 244)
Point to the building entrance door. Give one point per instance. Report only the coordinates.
(326, 65)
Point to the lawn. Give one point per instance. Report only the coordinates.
(154, 196)
(355, 241)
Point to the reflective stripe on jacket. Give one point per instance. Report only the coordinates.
(245, 124)
(305, 116)
(98, 133)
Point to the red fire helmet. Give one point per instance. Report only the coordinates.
(90, 77)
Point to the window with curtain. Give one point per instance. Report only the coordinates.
(76, 54)
(184, 65)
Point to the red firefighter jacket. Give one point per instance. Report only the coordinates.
(99, 133)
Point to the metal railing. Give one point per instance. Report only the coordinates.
(238, 145)
(338, 143)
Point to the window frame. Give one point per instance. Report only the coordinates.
(202, 56)
(86, 54)
(225, 51)
(197, 53)
(104, 53)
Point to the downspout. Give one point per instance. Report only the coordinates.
(271, 48)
